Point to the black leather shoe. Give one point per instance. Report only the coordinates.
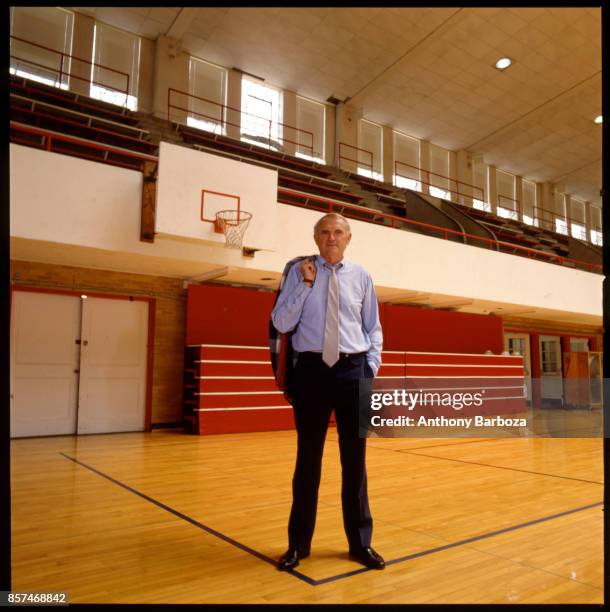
(291, 559)
(367, 556)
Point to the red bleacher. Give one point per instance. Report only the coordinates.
(231, 389)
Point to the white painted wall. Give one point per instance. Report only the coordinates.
(69, 201)
(185, 172)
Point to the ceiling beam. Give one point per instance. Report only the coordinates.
(388, 69)
(595, 161)
(533, 110)
(182, 22)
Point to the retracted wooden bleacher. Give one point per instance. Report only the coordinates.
(231, 389)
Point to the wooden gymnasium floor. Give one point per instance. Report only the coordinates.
(168, 517)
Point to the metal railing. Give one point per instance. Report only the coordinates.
(354, 211)
(48, 137)
(62, 72)
(341, 157)
(547, 219)
(449, 180)
(222, 120)
(511, 205)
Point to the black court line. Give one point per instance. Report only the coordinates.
(190, 520)
(369, 445)
(461, 542)
(502, 467)
(308, 579)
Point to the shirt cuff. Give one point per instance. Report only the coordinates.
(373, 367)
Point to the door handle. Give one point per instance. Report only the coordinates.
(76, 371)
(85, 342)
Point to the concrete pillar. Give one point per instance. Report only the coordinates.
(568, 212)
(465, 178)
(290, 134)
(424, 164)
(537, 212)
(492, 188)
(454, 187)
(347, 118)
(387, 162)
(519, 196)
(146, 75)
(329, 136)
(588, 220)
(171, 70)
(233, 116)
(547, 206)
(82, 48)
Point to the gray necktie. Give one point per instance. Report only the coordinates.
(330, 351)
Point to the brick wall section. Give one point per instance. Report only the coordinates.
(168, 352)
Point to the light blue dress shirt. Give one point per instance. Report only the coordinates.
(304, 307)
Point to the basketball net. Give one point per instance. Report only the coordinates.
(233, 224)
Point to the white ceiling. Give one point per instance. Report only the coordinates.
(427, 72)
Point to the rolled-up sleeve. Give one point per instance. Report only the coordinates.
(372, 326)
(289, 306)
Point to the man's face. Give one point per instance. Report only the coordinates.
(332, 238)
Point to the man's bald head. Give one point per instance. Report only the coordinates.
(334, 217)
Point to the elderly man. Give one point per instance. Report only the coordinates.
(331, 305)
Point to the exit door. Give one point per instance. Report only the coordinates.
(77, 365)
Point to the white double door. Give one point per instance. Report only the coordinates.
(77, 365)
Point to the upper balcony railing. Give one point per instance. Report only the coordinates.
(454, 186)
(540, 217)
(288, 196)
(341, 157)
(66, 69)
(81, 146)
(218, 115)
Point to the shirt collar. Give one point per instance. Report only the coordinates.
(343, 264)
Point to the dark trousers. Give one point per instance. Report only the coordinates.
(317, 390)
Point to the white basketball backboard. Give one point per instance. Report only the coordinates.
(193, 186)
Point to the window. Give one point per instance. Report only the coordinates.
(579, 345)
(529, 203)
(439, 172)
(507, 204)
(577, 219)
(370, 149)
(559, 201)
(46, 34)
(261, 114)
(406, 162)
(208, 89)
(114, 73)
(309, 135)
(549, 354)
(480, 180)
(595, 214)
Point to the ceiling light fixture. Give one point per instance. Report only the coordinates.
(503, 63)
(599, 119)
